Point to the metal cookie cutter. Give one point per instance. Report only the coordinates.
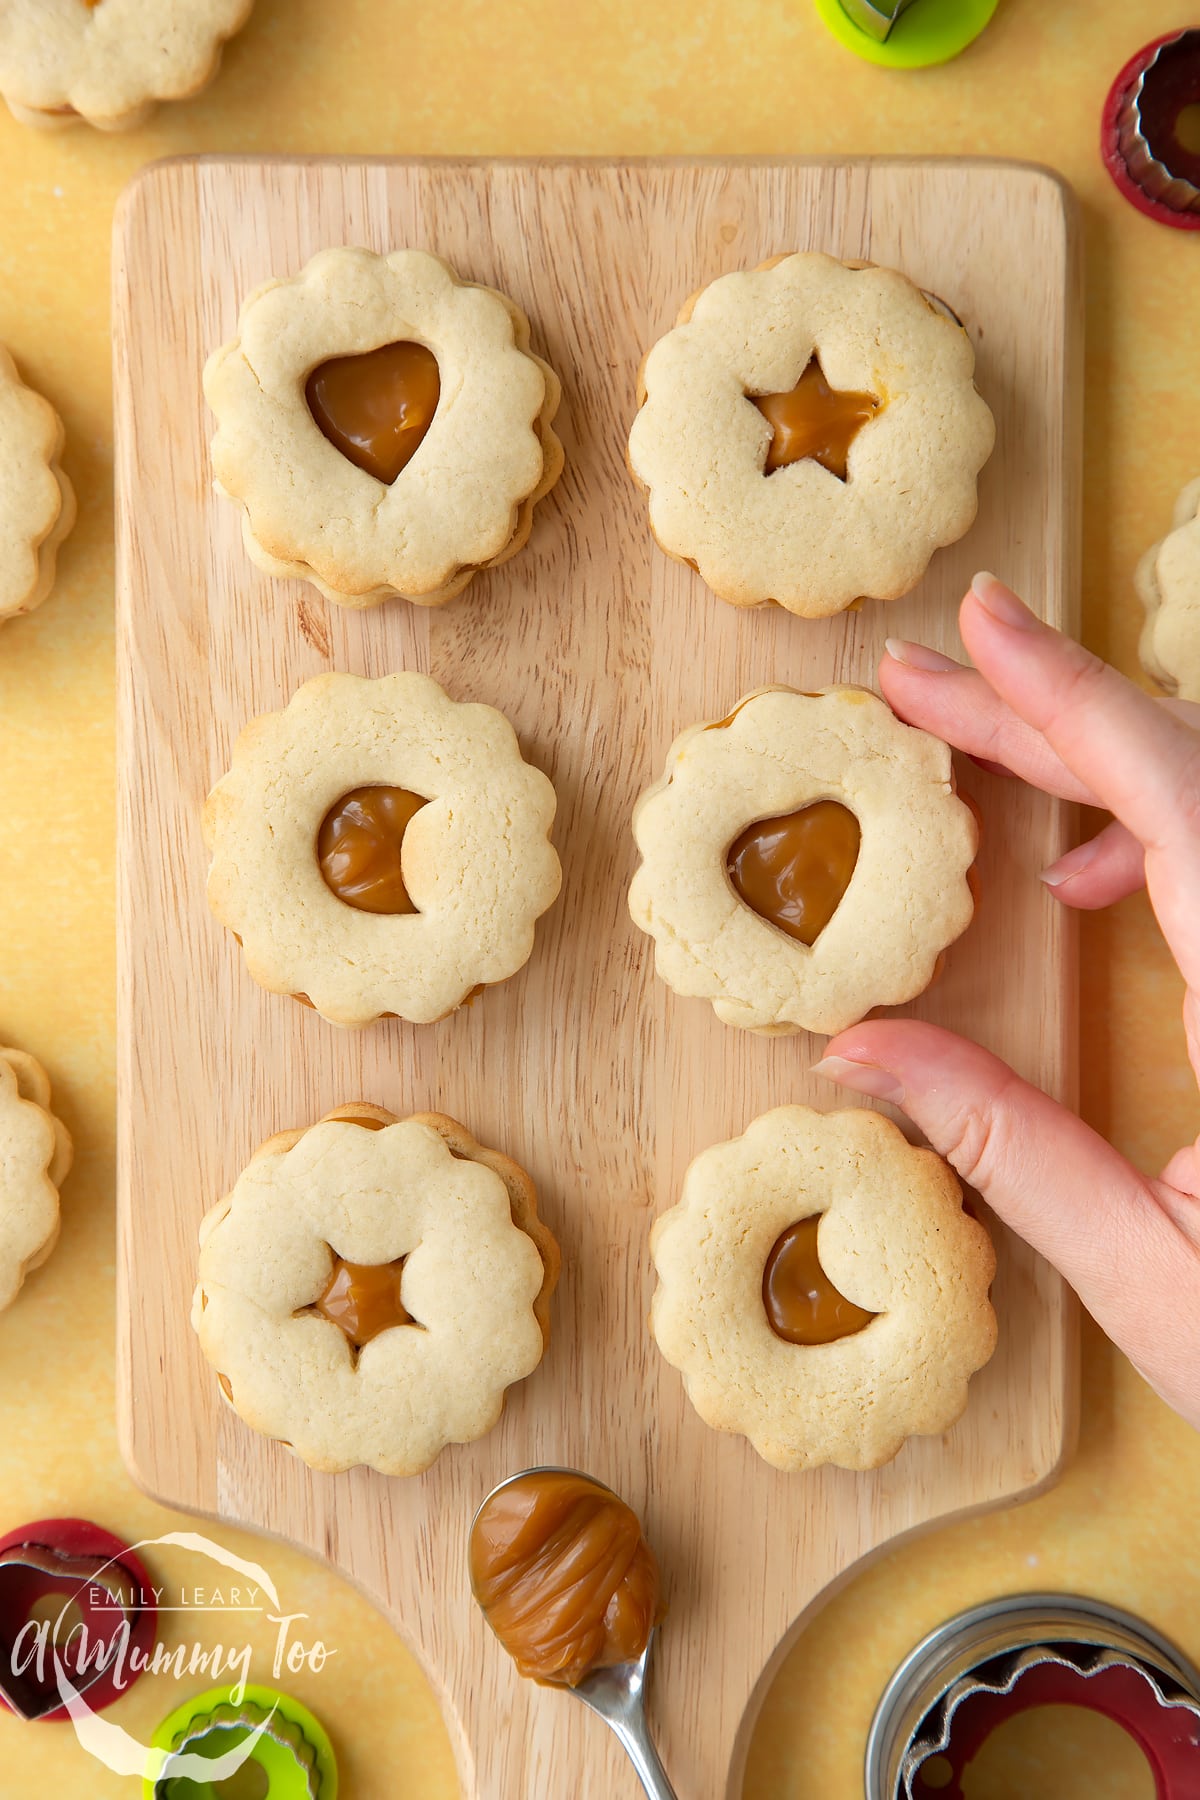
(982, 1667)
(72, 1597)
(875, 17)
(906, 34)
(1150, 132)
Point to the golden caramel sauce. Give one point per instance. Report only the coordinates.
(727, 721)
(802, 1304)
(376, 408)
(814, 420)
(358, 848)
(793, 870)
(564, 1576)
(363, 1299)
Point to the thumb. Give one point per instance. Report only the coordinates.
(1042, 1170)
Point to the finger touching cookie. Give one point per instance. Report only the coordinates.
(804, 860)
(810, 433)
(1168, 581)
(37, 502)
(821, 1289)
(371, 1287)
(35, 1158)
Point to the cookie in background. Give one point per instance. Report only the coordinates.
(1168, 582)
(109, 62)
(37, 502)
(35, 1158)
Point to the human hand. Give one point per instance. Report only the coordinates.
(1041, 707)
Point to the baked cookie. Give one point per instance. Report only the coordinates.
(380, 848)
(383, 426)
(809, 433)
(1168, 581)
(109, 61)
(821, 1289)
(37, 502)
(35, 1156)
(371, 1287)
(804, 860)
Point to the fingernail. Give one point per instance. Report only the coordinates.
(919, 656)
(1001, 603)
(1072, 864)
(863, 1077)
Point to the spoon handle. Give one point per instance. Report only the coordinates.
(635, 1740)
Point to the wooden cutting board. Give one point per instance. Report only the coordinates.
(584, 1067)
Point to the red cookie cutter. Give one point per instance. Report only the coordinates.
(1030, 1650)
(1153, 168)
(56, 1576)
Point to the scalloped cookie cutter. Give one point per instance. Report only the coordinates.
(292, 1759)
(1150, 130)
(1029, 1650)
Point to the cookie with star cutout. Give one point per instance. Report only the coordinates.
(809, 434)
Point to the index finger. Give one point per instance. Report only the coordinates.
(929, 690)
(1141, 761)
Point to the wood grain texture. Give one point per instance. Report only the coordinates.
(584, 1067)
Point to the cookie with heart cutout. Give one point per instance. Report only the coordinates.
(1168, 582)
(378, 848)
(383, 426)
(821, 1289)
(37, 502)
(109, 62)
(804, 860)
(35, 1158)
(372, 1286)
(809, 434)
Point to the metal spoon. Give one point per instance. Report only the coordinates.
(617, 1694)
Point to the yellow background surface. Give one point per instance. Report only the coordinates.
(556, 77)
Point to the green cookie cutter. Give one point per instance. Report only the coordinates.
(927, 32)
(292, 1760)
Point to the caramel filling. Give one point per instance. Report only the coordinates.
(358, 848)
(376, 408)
(564, 1576)
(363, 1299)
(726, 722)
(814, 420)
(802, 1304)
(793, 870)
